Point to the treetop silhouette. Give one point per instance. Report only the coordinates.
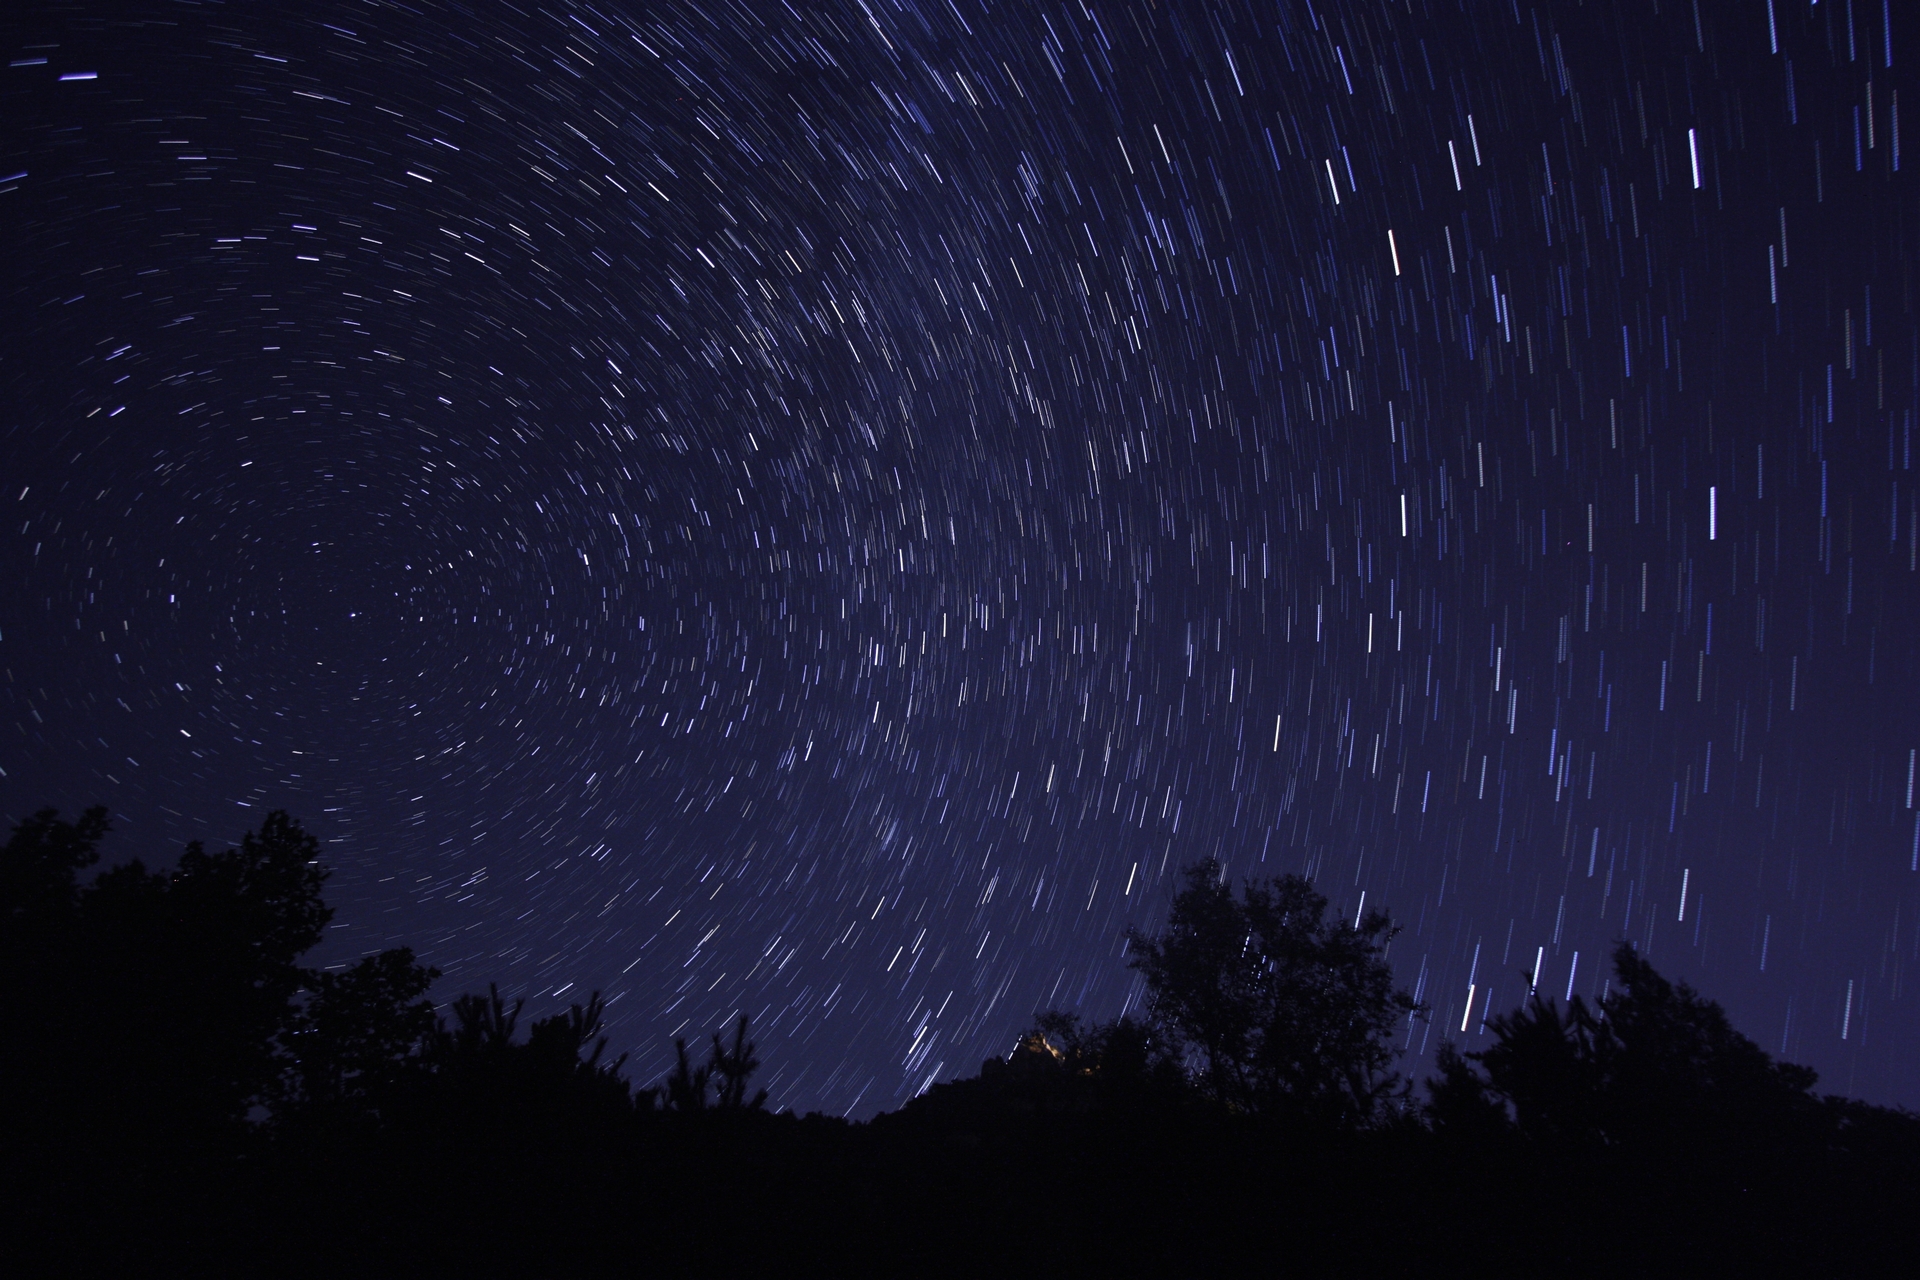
(726, 1072)
(161, 997)
(1651, 1063)
(1274, 1008)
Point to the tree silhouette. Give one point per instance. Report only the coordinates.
(1652, 1064)
(1065, 1065)
(152, 1007)
(727, 1072)
(39, 913)
(734, 1067)
(685, 1089)
(355, 1032)
(1120, 1064)
(154, 1013)
(1124, 1048)
(38, 868)
(559, 1047)
(476, 1065)
(45, 1053)
(204, 962)
(482, 1028)
(153, 1002)
(1276, 1009)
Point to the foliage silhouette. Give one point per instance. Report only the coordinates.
(726, 1072)
(733, 1068)
(482, 1031)
(1651, 1099)
(39, 911)
(1064, 1066)
(685, 1089)
(186, 1095)
(38, 867)
(1124, 1061)
(1276, 1009)
(1652, 1064)
(356, 1033)
(476, 1077)
(160, 997)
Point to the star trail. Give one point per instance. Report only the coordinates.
(819, 511)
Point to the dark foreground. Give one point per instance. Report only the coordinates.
(960, 1186)
(183, 1097)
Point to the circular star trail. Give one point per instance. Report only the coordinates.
(819, 512)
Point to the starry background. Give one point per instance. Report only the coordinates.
(820, 511)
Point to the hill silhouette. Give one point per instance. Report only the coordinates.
(186, 1097)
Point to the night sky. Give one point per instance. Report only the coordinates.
(820, 511)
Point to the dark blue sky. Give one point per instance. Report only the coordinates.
(820, 511)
